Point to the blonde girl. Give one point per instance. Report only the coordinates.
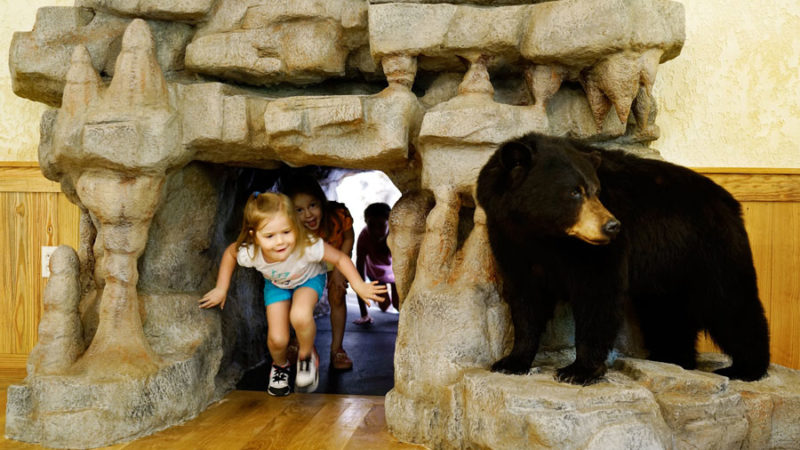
(292, 262)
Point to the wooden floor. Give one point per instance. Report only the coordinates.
(254, 420)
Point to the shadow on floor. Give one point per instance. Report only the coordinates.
(370, 347)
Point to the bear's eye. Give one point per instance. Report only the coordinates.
(576, 194)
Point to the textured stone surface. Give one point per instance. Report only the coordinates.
(111, 149)
(584, 32)
(407, 222)
(772, 408)
(265, 42)
(39, 59)
(182, 10)
(85, 411)
(537, 411)
(374, 130)
(612, 48)
(60, 337)
(640, 404)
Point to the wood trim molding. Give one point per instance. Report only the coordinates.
(746, 184)
(25, 178)
(783, 186)
(748, 170)
(19, 164)
(13, 364)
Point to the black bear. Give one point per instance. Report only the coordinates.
(598, 228)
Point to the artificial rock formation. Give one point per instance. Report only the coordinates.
(171, 112)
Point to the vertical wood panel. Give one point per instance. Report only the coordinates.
(29, 221)
(68, 223)
(785, 285)
(759, 219)
(8, 239)
(16, 276)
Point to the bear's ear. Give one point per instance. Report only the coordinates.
(515, 154)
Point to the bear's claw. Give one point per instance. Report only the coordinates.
(580, 375)
(511, 366)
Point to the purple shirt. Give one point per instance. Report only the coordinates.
(374, 258)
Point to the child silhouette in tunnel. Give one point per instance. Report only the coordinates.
(373, 258)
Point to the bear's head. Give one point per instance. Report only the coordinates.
(546, 186)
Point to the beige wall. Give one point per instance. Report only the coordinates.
(19, 118)
(731, 99)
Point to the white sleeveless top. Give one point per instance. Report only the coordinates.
(288, 274)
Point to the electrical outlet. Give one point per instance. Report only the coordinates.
(47, 252)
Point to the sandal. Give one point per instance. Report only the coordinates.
(340, 360)
(365, 320)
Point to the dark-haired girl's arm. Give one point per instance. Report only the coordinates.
(367, 291)
(349, 240)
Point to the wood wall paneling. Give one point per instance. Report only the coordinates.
(784, 284)
(34, 213)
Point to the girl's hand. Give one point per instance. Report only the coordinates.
(213, 298)
(370, 291)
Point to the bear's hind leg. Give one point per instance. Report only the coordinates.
(678, 349)
(670, 335)
(743, 334)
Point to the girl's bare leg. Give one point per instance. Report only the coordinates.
(337, 289)
(301, 317)
(362, 307)
(278, 331)
(395, 298)
(385, 302)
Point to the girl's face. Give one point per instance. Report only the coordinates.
(276, 238)
(309, 211)
(378, 228)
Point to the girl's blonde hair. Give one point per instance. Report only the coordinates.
(264, 206)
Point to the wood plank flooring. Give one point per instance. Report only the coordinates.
(253, 420)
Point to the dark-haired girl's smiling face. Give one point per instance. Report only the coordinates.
(308, 210)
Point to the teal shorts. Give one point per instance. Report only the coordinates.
(274, 294)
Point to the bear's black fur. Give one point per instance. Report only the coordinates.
(671, 242)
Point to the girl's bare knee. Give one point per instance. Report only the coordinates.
(277, 342)
(336, 299)
(302, 321)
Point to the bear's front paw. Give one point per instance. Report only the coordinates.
(511, 365)
(580, 374)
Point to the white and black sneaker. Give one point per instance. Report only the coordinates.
(307, 377)
(279, 380)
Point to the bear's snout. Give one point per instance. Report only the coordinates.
(612, 227)
(594, 225)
